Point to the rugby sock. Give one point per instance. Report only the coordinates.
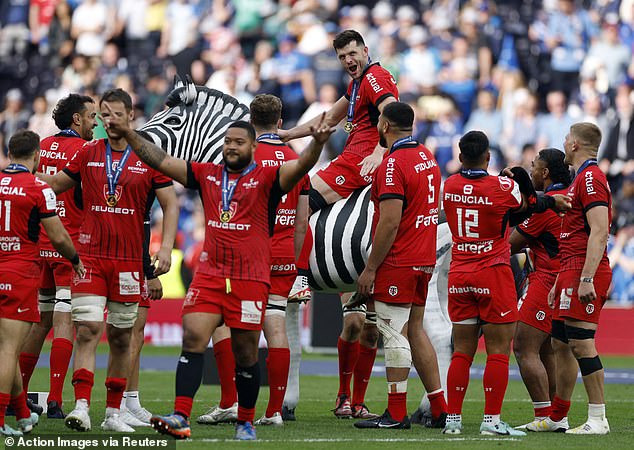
(596, 411)
(114, 391)
(560, 409)
(226, 364)
(437, 403)
(83, 380)
(248, 386)
(457, 381)
(362, 373)
(132, 400)
(28, 361)
(348, 357)
(495, 380)
(397, 405)
(61, 352)
(542, 409)
(18, 404)
(189, 374)
(303, 262)
(277, 365)
(4, 402)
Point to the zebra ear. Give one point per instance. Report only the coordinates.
(178, 82)
(190, 91)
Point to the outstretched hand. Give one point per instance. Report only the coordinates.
(113, 122)
(322, 131)
(562, 203)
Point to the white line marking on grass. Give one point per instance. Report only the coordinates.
(318, 440)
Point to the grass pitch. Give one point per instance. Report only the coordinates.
(317, 428)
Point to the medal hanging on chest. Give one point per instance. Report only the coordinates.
(356, 84)
(113, 178)
(228, 190)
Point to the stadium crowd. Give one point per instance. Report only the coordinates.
(522, 71)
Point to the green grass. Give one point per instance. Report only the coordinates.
(317, 428)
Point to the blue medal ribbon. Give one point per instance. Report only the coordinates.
(473, 173)
(400, 142)
(17, 168)
(273, 136)
(114, 178)
(588, 162)
(555, 187)
(228, 189)
(353, 100)
(69, 132)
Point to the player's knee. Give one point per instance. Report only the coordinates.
(316, 201)
(391, 320)
(580, 340)
(193, 342)
(87, 333)
(588, 366)
(245, 356)
(370, 335)
(119, 340)
(121, 315)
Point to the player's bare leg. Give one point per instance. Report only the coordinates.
(322, 196)
(132, 412)
(368, 341)
(527, 346)
(426, 364)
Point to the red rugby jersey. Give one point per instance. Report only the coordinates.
(24, 200)
(274, 154)
(589, 189)
(114, 232)
(55, 152)
(477, 207)
(410, 173)
(376, 85)
(542, 231)
(241, 248)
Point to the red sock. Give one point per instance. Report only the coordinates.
(303, 262)
(495, 380)
(18, 404)
(61, 352)
(114, 391)
(4, 402)
(246, 414)
(348, 357)
(546, 411)
(83, 380)
(277, 365)
(560, 409)
(457, 381)
(183, 406)
(362, 373)
(397, 405)
(438, 404)
(28, 361)
(226, 372)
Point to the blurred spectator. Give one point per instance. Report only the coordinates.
(554, 126)
(41, 121)
(389, 56)
(443, 136)
(14, 117)
(524, 129)
(326, 68)
(89, 27)
(112, 66)
(178, 37)
(617, 158)
(621, 257)
(14, 28)
(420, 63)
(40, 16)
(133, 25)
(59, 41)
(459, 85)
(486, 118)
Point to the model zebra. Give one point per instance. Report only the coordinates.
(192, 127)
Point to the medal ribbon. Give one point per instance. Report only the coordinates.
(473, 173)
(400, 142)
(229, 189)
(114, 178)
(17, 168)
(353, 95)
(555, 187)
(588, 162)
(273, 136)
(69, 132)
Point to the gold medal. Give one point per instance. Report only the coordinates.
(225, 216)
(348, 127)
(111, 200)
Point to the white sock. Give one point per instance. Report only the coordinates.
(81, 403)
(491, 419)
(454, 418)
(122, 405)
(133, 401)
(596, 411)
(112, 411)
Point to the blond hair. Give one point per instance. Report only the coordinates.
(587, 134)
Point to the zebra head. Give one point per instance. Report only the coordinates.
(193, 125)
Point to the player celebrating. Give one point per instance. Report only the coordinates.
(371, 89)
(116, 187)
(75, 116)
(405, 194)
(540, 233)
(25, 202)
(288, 235)
(231, 284)
(481, 287)
(582, 284)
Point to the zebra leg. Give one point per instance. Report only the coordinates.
(291, 398)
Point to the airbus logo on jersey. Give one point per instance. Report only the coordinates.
(374, 83)
(213, 180)
(95, 164)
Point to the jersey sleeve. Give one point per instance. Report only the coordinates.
(511, 197)
(194, 173)
(390, 181)
(46, 202)
(73, 168)
(160, 181)
(381, 87)
(534, 226)
(594, 191)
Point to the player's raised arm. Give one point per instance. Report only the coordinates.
(332, 117)
(148, 152)
(60, 182)
(292, 172)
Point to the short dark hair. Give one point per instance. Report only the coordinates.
(23, 144)
(346, 37)
(473, 146)
(117, 95)
(66, 107)
(245, 126)
(400, 115)
(559, 170)
(266, 110)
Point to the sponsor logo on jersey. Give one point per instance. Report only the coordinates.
(138, 168)
(340, 180)
(252, 311)
(420, 167)
(112, 210)
(427, 220)
(389, 172)
(565, 297)
(229, 225)
(540, 315)
(49, 254)
(52, 154)
(589, 180)
(505, 183)
(589, 308)
(475, 247)
(84, 238)
(50, 199)
(192, 295)
(251, 184)
(393, 290)
(129, 283)
(467, 199)
(469, 290)
(10, 244)
(12, 190)
(283, 267)
(213, 180)
(95, 164)
(6, 287)
(285, 217)
(373, 82)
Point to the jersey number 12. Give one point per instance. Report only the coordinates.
(468, 217)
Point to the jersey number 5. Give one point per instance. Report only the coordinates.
(432, 190)
(468, 217)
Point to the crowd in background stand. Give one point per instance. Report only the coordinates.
(522, 71)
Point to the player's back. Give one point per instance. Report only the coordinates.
(477, 206)
(55, 152)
